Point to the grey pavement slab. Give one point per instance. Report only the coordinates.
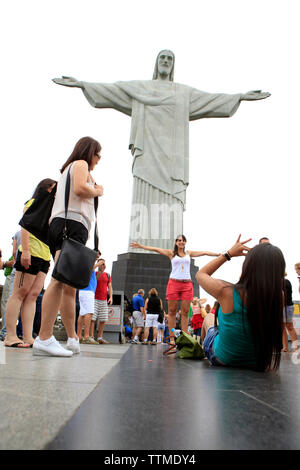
(164, 403)
(131, 397)
(38, 394)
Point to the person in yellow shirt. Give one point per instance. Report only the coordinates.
(32, 265)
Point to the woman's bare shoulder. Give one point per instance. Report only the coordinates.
(80, 164)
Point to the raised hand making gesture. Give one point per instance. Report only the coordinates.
(214, 287)
(239, 248)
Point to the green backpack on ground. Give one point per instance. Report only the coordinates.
(188, 347)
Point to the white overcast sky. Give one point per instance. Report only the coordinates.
(244, 171)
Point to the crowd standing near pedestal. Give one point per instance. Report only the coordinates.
(248, 325)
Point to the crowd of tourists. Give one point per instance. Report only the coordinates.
(247, 327)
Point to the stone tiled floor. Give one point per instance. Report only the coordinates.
(38, 395)
(148, 401)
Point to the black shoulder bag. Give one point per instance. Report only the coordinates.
(76, 262)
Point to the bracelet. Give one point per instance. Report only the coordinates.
(227, 256)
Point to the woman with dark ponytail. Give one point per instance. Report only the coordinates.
(249, 331)
(32, 265)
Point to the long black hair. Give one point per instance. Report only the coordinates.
(261, 287)
(45, 184)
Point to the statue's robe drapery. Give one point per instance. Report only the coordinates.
(159, 141)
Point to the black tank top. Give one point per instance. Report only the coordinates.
(153, 305)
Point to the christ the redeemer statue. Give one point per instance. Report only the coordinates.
(160, 112)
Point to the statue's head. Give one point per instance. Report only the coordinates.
(164, 65)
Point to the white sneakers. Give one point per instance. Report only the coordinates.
(51, 347)
(73, 345)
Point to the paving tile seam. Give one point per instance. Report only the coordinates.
(80, 404)
(265, 404)
(72, 413)
(38, 380)
(88, 356)
(47, 398)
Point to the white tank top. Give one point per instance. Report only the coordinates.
(79, 208)
(181, 267)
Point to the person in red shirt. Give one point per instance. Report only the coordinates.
(101, 304)
(198, 316)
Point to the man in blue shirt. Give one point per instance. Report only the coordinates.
(138, 315)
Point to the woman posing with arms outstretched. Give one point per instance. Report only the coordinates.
(249, 333)
(180, 286)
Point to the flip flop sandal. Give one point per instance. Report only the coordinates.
(172, 348)
(18, 345)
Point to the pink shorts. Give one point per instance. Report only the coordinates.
(178, 290)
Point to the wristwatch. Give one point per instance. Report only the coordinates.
(227, 256)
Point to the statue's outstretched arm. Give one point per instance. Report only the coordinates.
(100, 95)
(68, 81)
(255, 95)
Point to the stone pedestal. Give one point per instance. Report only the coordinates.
(133, 271)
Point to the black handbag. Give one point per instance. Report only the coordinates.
(160, 318)
(76, 262)
(36, 218)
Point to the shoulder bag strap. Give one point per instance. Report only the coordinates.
(96, 238)
(216, 315)
(67, 195)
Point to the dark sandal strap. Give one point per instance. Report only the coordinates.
(172, 348)
(170, 351)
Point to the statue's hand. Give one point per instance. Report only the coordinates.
(255, 95)
(135, 245)
(68, 81)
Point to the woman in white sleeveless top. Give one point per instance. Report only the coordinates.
(180, 286)
(59, 296)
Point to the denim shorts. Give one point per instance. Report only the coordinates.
(288, 314)
(208, 346)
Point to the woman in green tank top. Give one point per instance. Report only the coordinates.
(249, 331)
